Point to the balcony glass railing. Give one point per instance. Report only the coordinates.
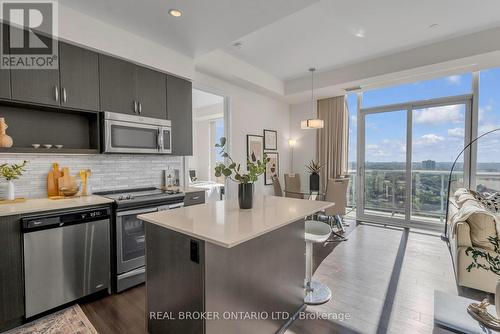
(385, 192)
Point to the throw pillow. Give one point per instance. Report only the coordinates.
(489, 201)
(482, 226)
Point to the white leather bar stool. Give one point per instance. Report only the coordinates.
(316, 292)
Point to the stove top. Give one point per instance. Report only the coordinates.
(140, 195)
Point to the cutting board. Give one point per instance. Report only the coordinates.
(11, 201)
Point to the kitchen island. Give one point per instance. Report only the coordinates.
(214, 268)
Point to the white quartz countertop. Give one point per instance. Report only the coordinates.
(225, 224)
(46, 204)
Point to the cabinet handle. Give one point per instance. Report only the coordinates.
(65, 96)
(140, 108)
(196, 197)
(135, 107)
(158, 140)
(56, 92)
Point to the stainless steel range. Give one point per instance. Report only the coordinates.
(129, 239)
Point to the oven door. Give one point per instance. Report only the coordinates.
(166, 140)
(128, 137)
(130, 240)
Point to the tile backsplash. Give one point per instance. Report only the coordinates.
(109, 171)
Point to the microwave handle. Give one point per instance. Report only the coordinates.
(162, 144)
(159, 139)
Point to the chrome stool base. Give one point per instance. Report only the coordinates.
(317, 293)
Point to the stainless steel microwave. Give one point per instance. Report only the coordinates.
(136, 134)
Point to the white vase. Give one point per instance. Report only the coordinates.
(11, 191)
(497, 299)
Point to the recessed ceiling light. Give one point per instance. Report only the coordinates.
(238, 45)
(359, 33)
(175, 12)
(434, 25)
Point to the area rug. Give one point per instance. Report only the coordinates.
(68, 321)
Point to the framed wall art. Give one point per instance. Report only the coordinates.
(272, 167)
(255, 147)
(270, 140)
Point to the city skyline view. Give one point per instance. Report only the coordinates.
(438, 132)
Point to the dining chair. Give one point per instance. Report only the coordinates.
(277, 186)
(292, 186)
(336, 192)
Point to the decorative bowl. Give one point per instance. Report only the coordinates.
(68, 192)
(47, 145)
(59, 146)
(35, 146)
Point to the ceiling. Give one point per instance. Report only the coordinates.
(281, 39)
(203, 99)
(204, 25)
(323, 34)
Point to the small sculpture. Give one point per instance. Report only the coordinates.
(481, 314)
(5, 140)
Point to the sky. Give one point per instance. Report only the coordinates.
(437, 133)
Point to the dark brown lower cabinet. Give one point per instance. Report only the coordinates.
(11, 273)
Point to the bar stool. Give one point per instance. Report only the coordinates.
(317, 293)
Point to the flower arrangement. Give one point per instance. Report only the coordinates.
(12, 171)
(233, 171)
(314, 167)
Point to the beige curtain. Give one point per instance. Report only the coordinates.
(332, 140)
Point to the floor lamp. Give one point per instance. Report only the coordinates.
(444, 236)
(292, 143)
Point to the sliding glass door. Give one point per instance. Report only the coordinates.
(406, 152)
(384, 164)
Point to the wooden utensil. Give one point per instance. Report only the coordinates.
(52, 180)
(57, 175)
(83, 177)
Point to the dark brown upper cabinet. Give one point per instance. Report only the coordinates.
(40, 86)
(4, 74)
(131, 89)
(37, 86)
(151, 93)
(117, 85)
(180, 112)
(79, 74)
(4, 84)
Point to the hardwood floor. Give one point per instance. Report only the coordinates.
(382, 278)
(123, 313)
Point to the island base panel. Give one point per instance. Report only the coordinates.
(264, 275)
(174, 283)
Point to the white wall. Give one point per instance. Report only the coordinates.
(251, 113)
(305, 148)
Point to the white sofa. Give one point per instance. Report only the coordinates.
(470, 224)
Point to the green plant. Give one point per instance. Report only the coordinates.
(12, 171)
(491, 263)
(233, 171)
(314, 167)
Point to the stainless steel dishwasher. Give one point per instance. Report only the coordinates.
(66, 257)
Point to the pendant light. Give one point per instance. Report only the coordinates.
(312, 123)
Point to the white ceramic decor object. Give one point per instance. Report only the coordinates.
(11, 193)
